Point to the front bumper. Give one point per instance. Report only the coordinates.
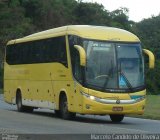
(91, 105)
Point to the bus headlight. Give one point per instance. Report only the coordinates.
(88, 96)
(92, 97)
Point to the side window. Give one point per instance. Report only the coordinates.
(10, 53)
(56, 50)
(24, 51)
(75, 58)
(41, 51)
(50, 50)
(14, 54)
(36, 52)
(62, 51)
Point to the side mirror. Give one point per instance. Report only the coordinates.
(82, 55)
(151, 58)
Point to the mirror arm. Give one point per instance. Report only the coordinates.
(82, 54)
(151, 58)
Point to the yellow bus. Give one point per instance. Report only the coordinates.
(77, 69)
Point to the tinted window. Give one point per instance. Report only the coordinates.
(75, 58)
(41, 51)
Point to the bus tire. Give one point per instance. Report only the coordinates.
(57, 113)
(28, 109)
(20, 107)
(116, 118)
(65, 114)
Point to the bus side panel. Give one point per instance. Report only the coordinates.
(39, 88)
(62, 84)
(9, 91)
(15, 77)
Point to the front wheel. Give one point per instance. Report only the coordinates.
(116, 118)
(65, 114)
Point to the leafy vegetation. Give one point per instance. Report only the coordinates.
(151, 109)
(19, 18)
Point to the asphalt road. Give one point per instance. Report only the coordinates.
(43, 121)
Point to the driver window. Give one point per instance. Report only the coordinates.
(75, 58)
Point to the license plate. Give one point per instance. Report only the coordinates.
(117, 109)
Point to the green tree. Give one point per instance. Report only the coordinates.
(13, 23)
(120, 18)
(50, 13)
(91, 14)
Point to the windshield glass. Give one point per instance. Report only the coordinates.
(101, 64)
(113, 66)
(130, 65)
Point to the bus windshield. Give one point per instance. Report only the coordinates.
(114, 66)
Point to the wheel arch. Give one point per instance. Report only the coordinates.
(62, 92)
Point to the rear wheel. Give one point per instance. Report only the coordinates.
(65, 114)
(116, 118)
(20, 106)
(29, 109)
(57, 113)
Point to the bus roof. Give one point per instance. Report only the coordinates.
(85, 31)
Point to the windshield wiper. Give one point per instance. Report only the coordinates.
(129, 85)
(127, 81)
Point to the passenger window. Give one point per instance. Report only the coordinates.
(41, 51)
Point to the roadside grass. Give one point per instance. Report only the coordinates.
(152, 109)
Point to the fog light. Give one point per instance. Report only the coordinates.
(87, 106)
